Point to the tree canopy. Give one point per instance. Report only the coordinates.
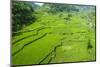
(22, 14)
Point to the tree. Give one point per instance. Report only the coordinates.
(55, 8)
(22, 14)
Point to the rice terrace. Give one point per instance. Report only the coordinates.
(46, 33)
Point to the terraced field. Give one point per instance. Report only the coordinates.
(55, 39)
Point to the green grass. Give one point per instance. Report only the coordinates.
(76, 31)
(34, 52)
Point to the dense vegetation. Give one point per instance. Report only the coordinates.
(52, 33)
(22, 14)
(55, 8)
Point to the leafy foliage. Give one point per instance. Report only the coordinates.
(22, 14)
(54, 8)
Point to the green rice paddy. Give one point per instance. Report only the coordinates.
(53, 39)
